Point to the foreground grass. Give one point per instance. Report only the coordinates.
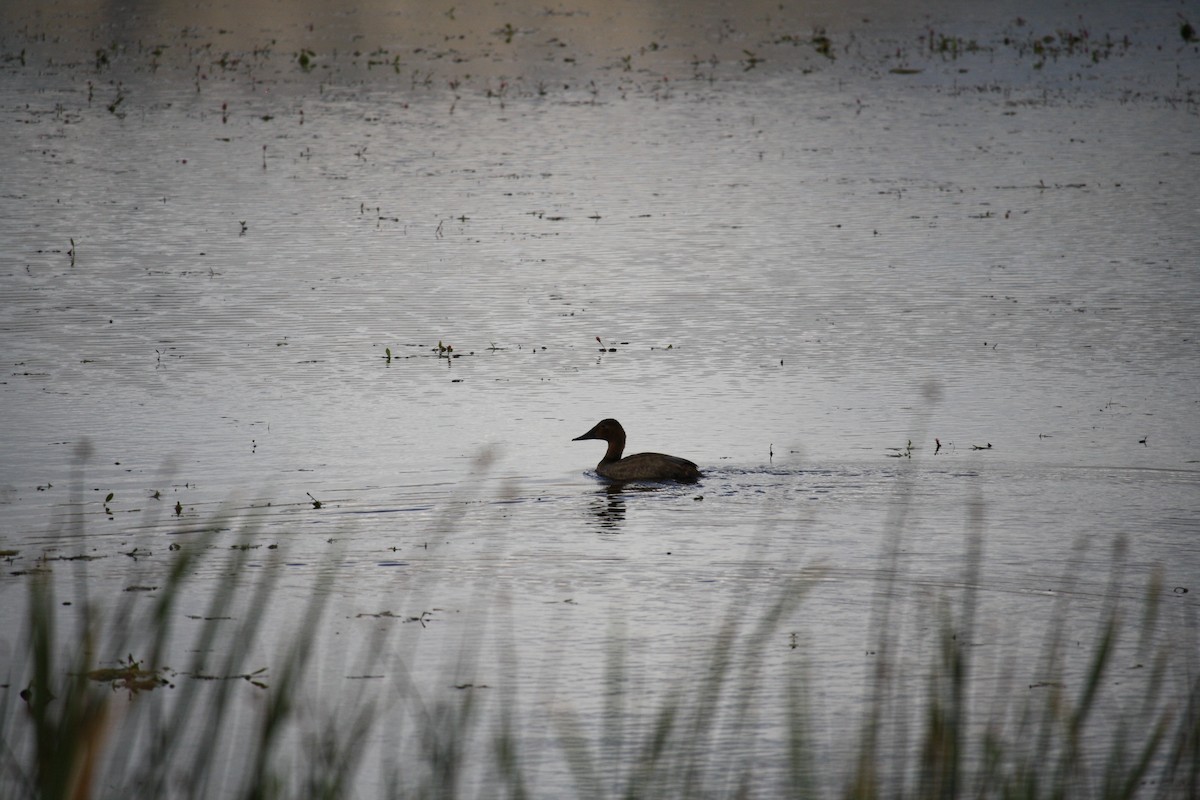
(226, 726)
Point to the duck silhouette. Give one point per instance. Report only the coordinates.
(639, 466)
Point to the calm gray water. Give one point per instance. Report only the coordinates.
(806, 270)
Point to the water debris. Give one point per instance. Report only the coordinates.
(987, 446)
(420, 618)
(1186, 31)
(115, 105)
(250, 677)
(130, 676)
(822, 43)
(315, 502)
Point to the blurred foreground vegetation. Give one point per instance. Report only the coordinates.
(77, 724)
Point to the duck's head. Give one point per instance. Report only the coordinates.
(607, 429)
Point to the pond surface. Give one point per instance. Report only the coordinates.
(918, 290)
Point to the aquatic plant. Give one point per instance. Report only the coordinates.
(751, 60)
(822, 43)
(1186, 31)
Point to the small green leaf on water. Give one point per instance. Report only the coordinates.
(109, 498)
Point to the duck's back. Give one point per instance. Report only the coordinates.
(650, 467)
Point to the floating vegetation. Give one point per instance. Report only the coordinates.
(306, 59)
(115, 105)
(822, 43)
(951, 46)
(1186, 31)
(254, 678)
(446, 351)
(130, 676)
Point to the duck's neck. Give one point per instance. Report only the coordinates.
(616, 446)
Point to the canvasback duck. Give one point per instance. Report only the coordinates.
(639, 466)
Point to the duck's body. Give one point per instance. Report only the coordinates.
(639, 466)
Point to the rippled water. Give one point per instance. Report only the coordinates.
(805, 271)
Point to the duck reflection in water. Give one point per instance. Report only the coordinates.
(639, 466)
